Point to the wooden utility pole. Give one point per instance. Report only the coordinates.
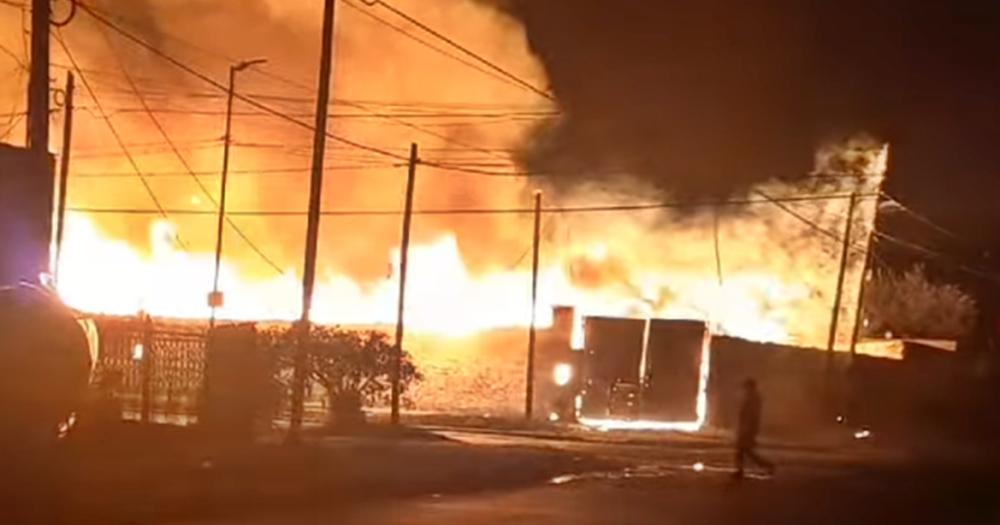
(404, 256)
(64, 169)
(38, 83)
(312, 228)
(146, 367)
(859, 312)
(529, 395)
(869, 259)
(845, 252)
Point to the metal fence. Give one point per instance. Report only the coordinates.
(159, 369)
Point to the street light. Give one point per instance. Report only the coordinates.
(215, 299)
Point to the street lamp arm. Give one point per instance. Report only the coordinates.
(240, 66)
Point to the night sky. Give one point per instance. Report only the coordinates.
(706, 97)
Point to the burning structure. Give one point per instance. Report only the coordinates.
(673, 375)
(645, 374)
(763, 263)
(760, 264)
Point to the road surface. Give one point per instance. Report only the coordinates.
(694, 485)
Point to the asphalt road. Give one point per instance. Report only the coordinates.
(685, 485)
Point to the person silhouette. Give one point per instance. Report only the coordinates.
(747, 429)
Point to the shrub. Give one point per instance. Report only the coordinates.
(908, 304)
(353, 367)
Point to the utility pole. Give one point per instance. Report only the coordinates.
(858, 313)
(146, 368)
(404, 256)
(869, 259)
(64, 169)
(312, 228)
(529, 396)
(845, 251)
(38, 83)
(215, 299)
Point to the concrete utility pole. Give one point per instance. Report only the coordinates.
(312, 228)
(215, 299)
(404, 256)
(38, 83)
(64, 169)
(845, 251)
(529, 395)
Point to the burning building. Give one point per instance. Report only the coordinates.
(650, 373)
(674, 375)
(760, 263)
(751, 267)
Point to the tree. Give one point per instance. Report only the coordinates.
(909, 304)
(353, 367)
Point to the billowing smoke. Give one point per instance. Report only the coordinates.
(386, 86)
(757, 270)
(696, 98)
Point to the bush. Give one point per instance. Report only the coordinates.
(353, 367)
(908, 304)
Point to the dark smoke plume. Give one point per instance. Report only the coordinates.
(708, 97)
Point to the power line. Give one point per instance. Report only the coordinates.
(138, 151)
(190, 70)
(428, 45)
(121, 143)
(173, 147)
(482, 211)
(13, 117)
(448, 166)
(923, 219)
(392, 118)
(434, 106)
(208, 80)
(254, 103)
(265, 171)
(780, 203)
(800, 217)
(546, 229)
(12, 126)
(20, 63)
(933, 253)
(368, 114)
(451, 42)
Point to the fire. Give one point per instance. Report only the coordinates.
(104, 275)
(773, 282)
(701, 405)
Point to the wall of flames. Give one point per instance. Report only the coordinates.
(468, 274)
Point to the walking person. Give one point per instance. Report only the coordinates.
(747, 430)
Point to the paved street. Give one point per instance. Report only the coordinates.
(694, 485)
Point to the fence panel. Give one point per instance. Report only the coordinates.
(174, 357)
